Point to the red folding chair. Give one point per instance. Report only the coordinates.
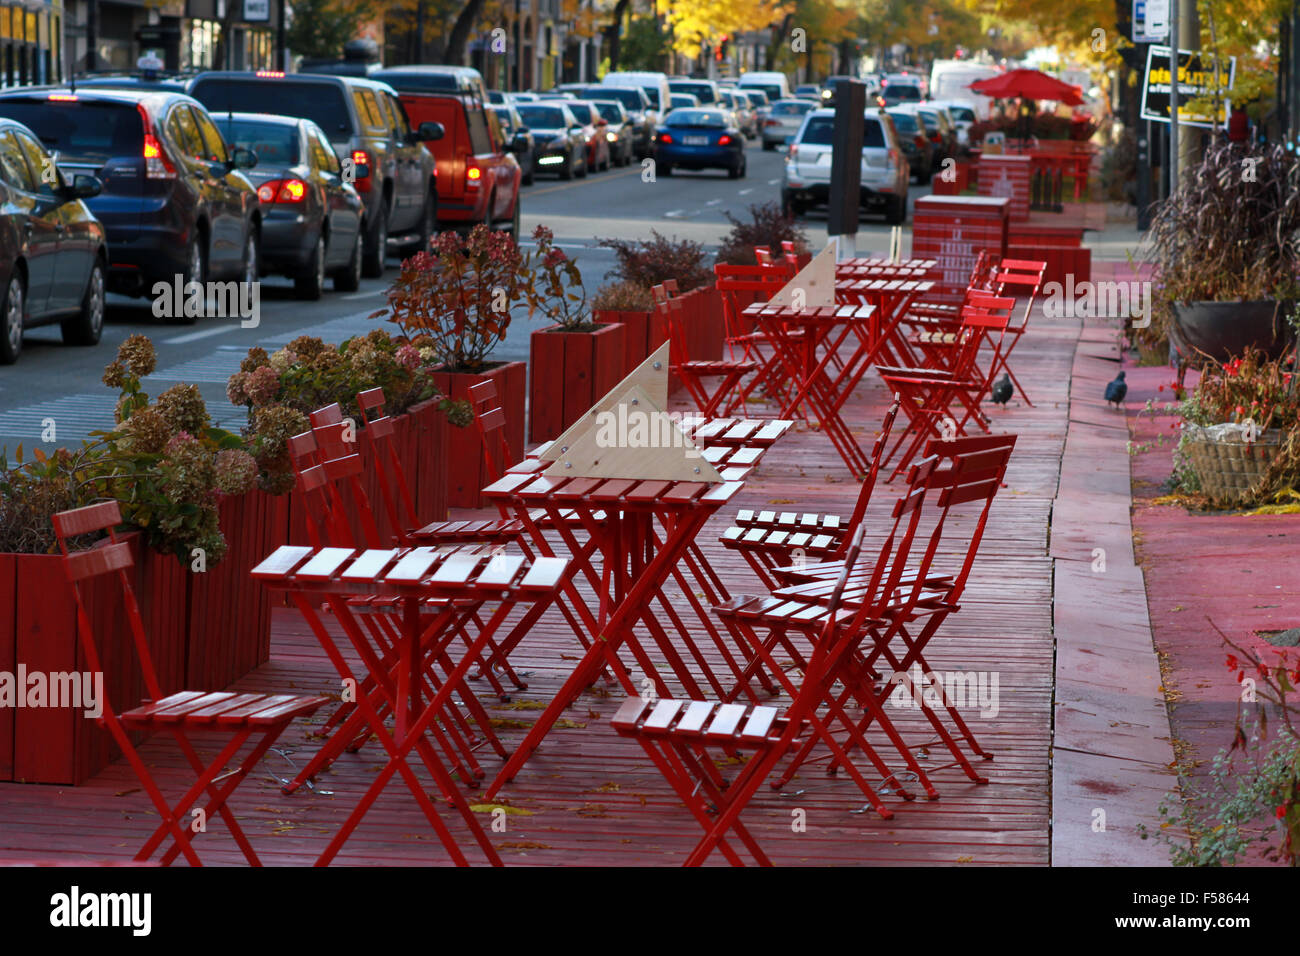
(770, 539)
(694, 374)
(928, 394)
(242, 718)
(1014, 276)
(678, 734)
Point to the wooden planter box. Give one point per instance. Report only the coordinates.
(636, 334)
(941, 187)
(38, 629)
(466, 472)
(1062, 261)
(569, 372)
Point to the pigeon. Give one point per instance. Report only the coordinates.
(1116, 390)
(1002, 390)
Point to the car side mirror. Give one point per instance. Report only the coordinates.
(428, 131)
(519, 142)
(576, 130)
(243, 158)
(83, 187)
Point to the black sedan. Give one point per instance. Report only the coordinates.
(311, 216)
(53, 259)
(700, 139)
(518, 139)
(561, 141)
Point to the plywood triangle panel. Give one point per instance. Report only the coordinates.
(633, 438)
(651, 376)
(816, 280)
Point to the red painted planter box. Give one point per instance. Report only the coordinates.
(569, 372)
(636, 334)
(962, 181)
(62, 745)
(1062, 261)
(466, 470)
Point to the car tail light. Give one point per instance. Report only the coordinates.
(772, 122)
(473, 177)
(157, 165)
(282, 191)
(665, 138)
(919, 139)
(724, 140)
(361, 158)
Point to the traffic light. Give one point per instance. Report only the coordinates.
(720, 51)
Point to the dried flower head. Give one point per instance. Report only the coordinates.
(138, 355)
(184, 409)
(255, 359)
(146, 432)
(236, 393)
(235, 470)
(262, 385)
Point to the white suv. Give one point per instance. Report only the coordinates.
(885, 171)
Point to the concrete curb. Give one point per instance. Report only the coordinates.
(1111, 744)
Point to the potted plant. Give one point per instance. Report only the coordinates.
(1240, 440)
(574, 360)
(460, 296)
(1226, 250)
(630, 305)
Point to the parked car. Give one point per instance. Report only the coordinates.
(654, 85)
(561, 143)
(174, 82)
(783, 120)
(706, 91)
(914, 142)
(593, 127)
(521, 97)
(775, 85)
(937, 129)
(683, 101)
(746, 115)
(478, 177)
(366, 126)
(697, 138)
(619, 131)
(311, 217)
(806, 180)
(519, 138)
(175, 200)
(960, 115)
(808, 91)
(498, 97)
(762, 105)
(641, 115)
(53, 253)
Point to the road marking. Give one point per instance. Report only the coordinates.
(195, 336)
(773, 182)
(746, 192)
(681, 213)
(713, 202)
(533, 191)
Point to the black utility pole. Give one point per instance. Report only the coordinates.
(846, 160)
(281, 35)
(92, 34)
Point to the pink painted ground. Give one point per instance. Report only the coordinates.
(1240, 572)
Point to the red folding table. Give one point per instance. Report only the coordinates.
(643, 530)
(894, 299)
(435, 595)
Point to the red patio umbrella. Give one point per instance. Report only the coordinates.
(1030, 85)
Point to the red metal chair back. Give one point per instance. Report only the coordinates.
(869, 482)
(97, 560)
(399, 506)
(328, 471)
(490, 419)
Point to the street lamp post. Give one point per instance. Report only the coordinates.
(1173, 96)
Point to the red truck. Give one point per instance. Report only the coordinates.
(478, 177)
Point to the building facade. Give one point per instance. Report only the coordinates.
(31, 42)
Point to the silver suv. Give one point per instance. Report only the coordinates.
(885, 172)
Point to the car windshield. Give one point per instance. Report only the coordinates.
(702, 90)
(820, 131)
(791, 108)
(541, 117)
(905, 122)
(81, 130)
(962, 114)
(322, 103)
(610, 111)
(772, 91)
(708, 118)
(274, 143)
(630, 98)
(902, 92)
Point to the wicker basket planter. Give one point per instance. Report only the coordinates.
(1227, 465)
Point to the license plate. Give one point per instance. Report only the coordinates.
(696, 140)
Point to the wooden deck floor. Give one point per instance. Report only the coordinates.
(590, 797)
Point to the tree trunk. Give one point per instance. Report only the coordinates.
(614, 32)
(460, 31)
(222, 52)
(779, 35)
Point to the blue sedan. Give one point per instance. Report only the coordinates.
(700, 139)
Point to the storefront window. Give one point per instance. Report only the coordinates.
(5, 31)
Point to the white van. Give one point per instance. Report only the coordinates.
(654, 84)
(775, 85)
(951, 79)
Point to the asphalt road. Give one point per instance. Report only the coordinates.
(58, 385)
